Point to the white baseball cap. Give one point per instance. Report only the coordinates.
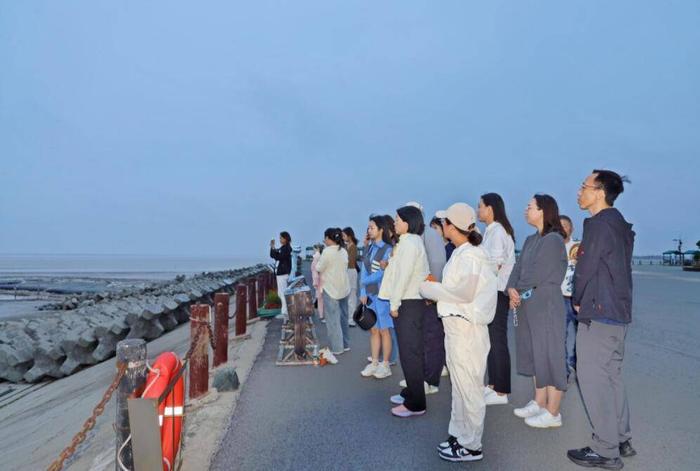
(415, 204)
(461, 215)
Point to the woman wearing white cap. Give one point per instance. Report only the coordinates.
(466, 300)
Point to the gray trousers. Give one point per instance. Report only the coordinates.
(336, 312)
(600, 349)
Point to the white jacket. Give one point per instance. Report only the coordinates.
(469, 287)
(333, 267)
(408, 267)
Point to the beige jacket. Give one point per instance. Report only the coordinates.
(408, 267)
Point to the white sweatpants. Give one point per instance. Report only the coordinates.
(281, 286)
(466, 347)
(352, 297)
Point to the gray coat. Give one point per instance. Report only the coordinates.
(539, 336)
(435, 250)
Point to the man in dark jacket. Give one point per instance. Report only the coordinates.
(602, 298)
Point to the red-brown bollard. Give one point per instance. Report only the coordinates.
(241, 303)
(221, 301)
(252, 300)
(199, 361)
(261, 291)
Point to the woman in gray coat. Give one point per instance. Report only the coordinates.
(534, 288)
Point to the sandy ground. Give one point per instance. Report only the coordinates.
(38, 421)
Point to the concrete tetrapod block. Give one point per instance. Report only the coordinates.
(20, 346)
(107, 345)
(43, 366)
(168, 321)
(183, 313)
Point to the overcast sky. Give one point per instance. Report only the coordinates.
(190, 128)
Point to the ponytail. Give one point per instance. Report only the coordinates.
(474, 236)
(336, 235)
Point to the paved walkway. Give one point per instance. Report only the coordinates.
(331, 418)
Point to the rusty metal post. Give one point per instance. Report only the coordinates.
(262, 291)
(132, 353)
(221, 301)
(252, 301)
(241, 303)
(199, 361)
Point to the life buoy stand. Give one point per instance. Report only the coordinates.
(171, 410)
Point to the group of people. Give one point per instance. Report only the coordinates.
(443, 297)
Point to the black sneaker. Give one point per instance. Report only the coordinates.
(457, 452)
(590, 459)
(447, 443)
(626, 450)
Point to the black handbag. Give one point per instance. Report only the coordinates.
(364, 316)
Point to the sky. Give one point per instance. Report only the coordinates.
(190, 128)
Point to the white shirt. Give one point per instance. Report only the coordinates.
(407, 269)
(333, 267)
(468, 288)
(501, 251)
(567, 286)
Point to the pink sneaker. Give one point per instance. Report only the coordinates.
(401, 411)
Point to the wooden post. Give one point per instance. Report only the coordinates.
(199, 361)
(262, 291)
(221, 301)
(132, 353)
(241, 306)
(252, 301)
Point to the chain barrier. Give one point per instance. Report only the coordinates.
(79, 437)
(210, 331)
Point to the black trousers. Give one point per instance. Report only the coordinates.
(409, 333)
(433, 345)
(498, 361)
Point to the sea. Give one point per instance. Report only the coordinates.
(28, 281)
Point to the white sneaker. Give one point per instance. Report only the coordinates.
(495, 399)
(445, 371)
(488, 391)
(544, 420)
(351, 323)
(382, 371)
(328, 355)
(369, 370)
(396, 399)
(531, 409)
(426, 387)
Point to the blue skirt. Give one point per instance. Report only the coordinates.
(382, 308)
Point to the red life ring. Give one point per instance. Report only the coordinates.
(171, 410)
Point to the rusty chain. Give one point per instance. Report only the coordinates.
(79, 437)
(210, 332)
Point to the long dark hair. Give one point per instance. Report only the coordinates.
(336, 235)
(285, 235)
(495, 202)
(389, 228)
(382, 224)
(550, 215)
(351, 234)
(414, 217)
